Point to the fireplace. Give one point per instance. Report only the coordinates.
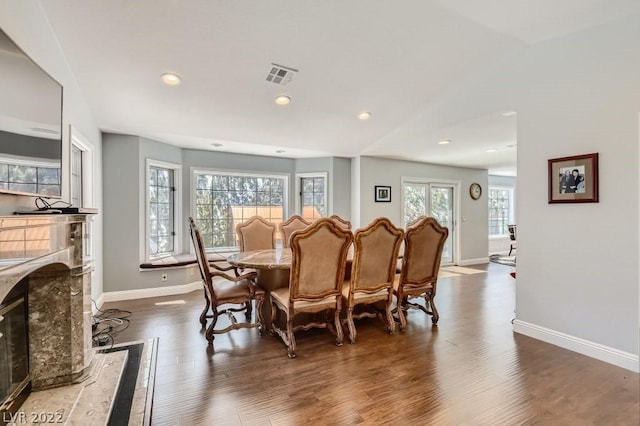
(45, 305)
(14, 350)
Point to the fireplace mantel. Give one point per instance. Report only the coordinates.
(48, 252)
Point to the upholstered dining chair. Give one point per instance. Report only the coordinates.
(221, 289)
(256, 233)
(318, 260)
(423, 244)
(292, 224)
(343, 223)
(373, 271)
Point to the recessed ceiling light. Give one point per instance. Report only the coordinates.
(364, 115)
(283, 100)
(492, 150)
(444, 142)
(280, 151)
(216, 144)
(171, 79)
(508, 113)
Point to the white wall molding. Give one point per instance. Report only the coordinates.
(117, 296)
(604, 353)
(478, 261)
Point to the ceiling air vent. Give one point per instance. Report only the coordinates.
(280, 74)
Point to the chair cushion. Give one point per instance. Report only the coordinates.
(281, 295)
(411, 290)
(226, 289)
(378, 295)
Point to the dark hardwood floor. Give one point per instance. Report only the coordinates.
(470, 369)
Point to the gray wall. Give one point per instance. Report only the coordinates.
(341, 187)
(473, 233)
(124, 165)
(122, 211)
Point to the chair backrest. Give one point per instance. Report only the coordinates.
(201, 256)
(318, 260)
(423, 244)
(294, 223)
(512, 232)
(256, 233)
(344, 224)
(375, 256)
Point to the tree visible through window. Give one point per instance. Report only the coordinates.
(499, 205)
(30, 178)
(225, 200)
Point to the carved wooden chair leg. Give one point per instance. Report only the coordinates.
(259, 314)
(291, 344)
(435, 315)
(205, 311)
(391, 323)
(209, 333)
(339, 333)
(402, 317)
(351, 325)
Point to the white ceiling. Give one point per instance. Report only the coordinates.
(394, 59)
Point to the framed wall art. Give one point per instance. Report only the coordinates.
(383, 194)
(574, 179)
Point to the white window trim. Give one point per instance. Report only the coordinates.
(177, 208)
(78, 140)
(298, 189)
(511, 190)
(233, 172)
(86, 157)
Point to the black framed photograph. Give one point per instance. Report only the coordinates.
(383, 194)
(574, 179)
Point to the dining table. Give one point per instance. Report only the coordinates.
(273, 267)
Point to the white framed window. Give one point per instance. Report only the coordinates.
(223, 199)
(81, 173)
(500, 201)
(162, 208)
(312, 202)
(30, 175)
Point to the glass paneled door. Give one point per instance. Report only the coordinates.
(432, 199)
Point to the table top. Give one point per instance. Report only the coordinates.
(278, 258)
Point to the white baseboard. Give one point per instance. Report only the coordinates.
(478, 261)
(117, 296)
(607, 354)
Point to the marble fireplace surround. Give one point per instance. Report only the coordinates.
(48, 252)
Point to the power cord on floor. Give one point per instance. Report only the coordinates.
(108, 324)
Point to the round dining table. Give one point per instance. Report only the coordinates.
(272, 266)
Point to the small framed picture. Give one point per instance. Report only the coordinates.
(383, 194)
(574, 179)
